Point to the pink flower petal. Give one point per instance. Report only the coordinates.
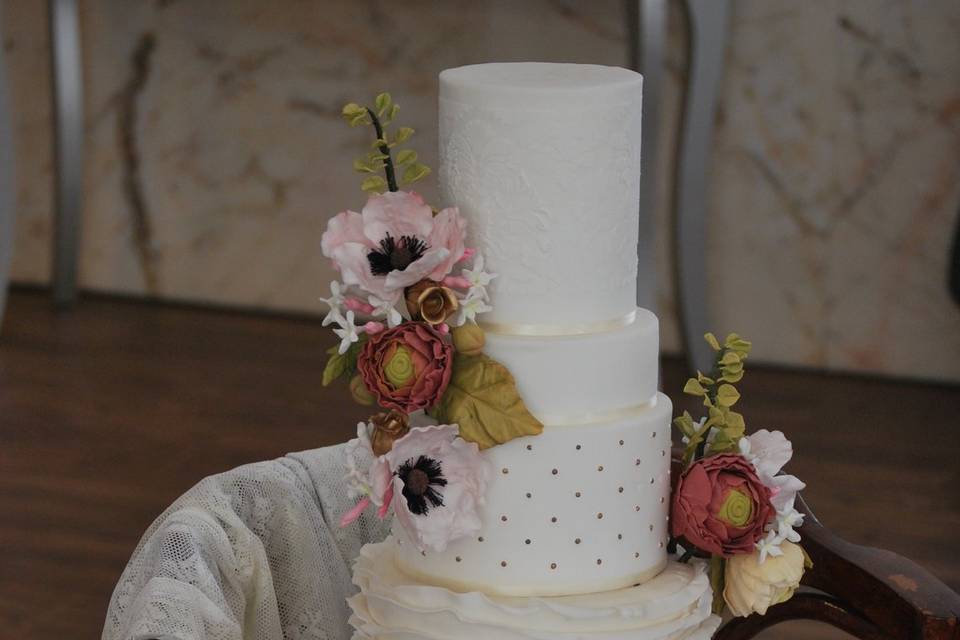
(449, 231)
(456, 282)
(345, 227)
(417, 271)
(387, 499)
(373, 328)
(351, 516)
(398, 214)
(358, 306)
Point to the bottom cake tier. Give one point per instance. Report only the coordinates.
(394, 606)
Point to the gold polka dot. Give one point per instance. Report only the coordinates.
(503, 563)
(599, 516)
(553, 565)
(600, 468)
(505, 471)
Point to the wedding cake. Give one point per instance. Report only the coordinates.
(544, 161)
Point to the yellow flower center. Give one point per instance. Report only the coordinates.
(737, 509)
(399, 369)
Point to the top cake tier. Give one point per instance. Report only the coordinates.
(544, 161)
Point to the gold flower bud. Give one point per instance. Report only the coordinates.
(468, 339)
(387, 428)
(359, 391)
(431, 302)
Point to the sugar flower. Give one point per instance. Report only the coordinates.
(769, 545)
(720, 506)
(395, 242)
(470, 307)
(786, 523)
(347, 332)
(768, 452)
(385, 309)
(439, 485)
(406, 368)
(477, 278)
(751, 585)
(368, 476)
(431, 302)
(335, 300)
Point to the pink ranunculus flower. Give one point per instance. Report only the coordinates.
(440, 483)
(406, 368)
(395, 242)
(720, 505)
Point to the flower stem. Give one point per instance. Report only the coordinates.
(385, 150)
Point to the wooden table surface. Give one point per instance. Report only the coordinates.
(110, 411)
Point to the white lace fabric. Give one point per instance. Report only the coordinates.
(254, 553)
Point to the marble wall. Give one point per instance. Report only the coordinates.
(216, 154)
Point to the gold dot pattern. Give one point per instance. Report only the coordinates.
(598, 490)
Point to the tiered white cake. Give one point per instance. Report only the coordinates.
(544, 161)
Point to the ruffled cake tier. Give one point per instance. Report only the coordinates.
(394, 606)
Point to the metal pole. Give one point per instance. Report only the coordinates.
(7, 188)
(648, 30)
(707, 22)
(68, 136)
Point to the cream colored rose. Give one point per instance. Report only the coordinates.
(754, 587)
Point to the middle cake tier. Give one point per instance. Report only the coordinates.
(583, 378)
(576, 509)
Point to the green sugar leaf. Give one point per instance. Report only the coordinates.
(483, 399)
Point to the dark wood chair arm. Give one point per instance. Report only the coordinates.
(870, 593)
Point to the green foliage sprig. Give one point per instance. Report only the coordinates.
(380, 117)
(719, 396)
(341, 364)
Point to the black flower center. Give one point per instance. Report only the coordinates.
(395, 255)
(419, 477)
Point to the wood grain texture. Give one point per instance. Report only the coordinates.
(110, 412)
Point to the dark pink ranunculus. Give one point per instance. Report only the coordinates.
(720, 505)
(406, 368)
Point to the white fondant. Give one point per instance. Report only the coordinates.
(391, 604)
(628, 538)
(583, 378)
(544, 162)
